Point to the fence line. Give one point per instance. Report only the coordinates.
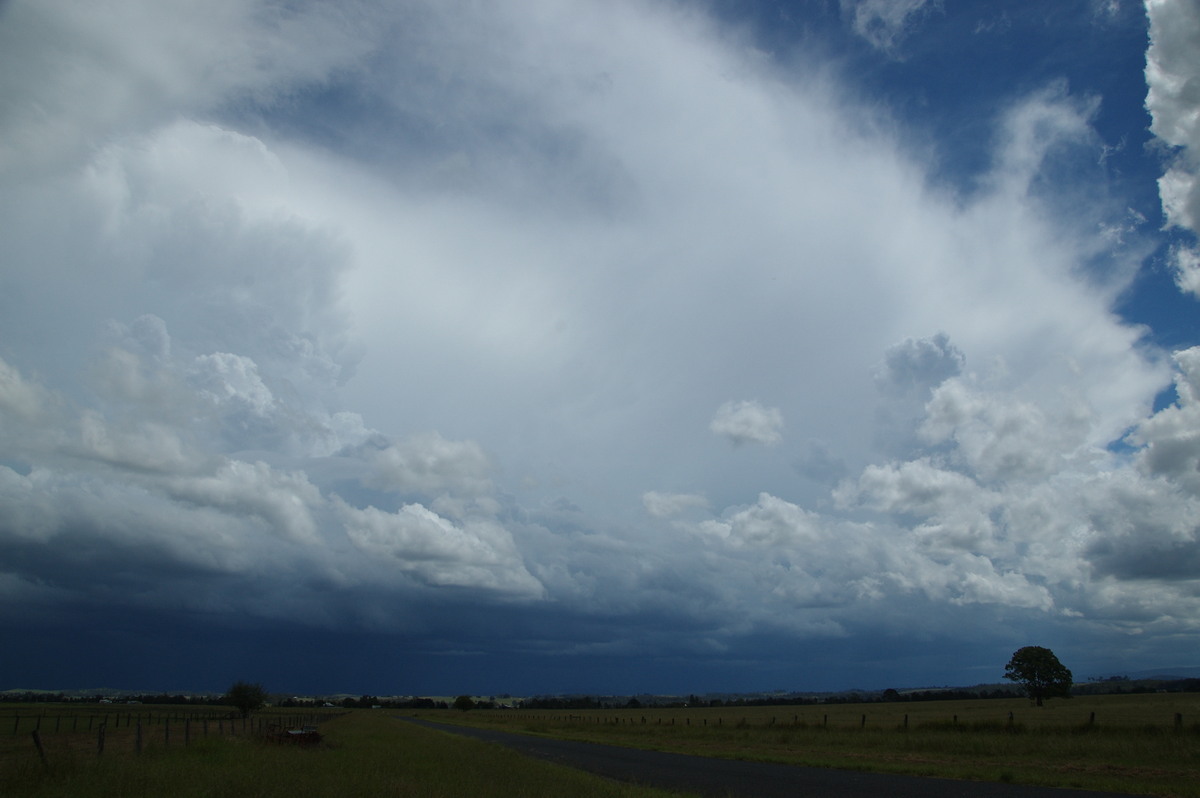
(131, 733)
(68, 723)
(1008, 720)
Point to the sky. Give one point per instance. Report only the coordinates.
(603, 346)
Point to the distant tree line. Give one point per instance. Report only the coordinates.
(861, 697)
(1117, 686)
(367, 702)
(564, 702)
(1097, 686)
(139, 698)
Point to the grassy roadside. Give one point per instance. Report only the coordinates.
(366, 753)
(1132, 746)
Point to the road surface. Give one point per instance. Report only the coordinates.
(731, 778)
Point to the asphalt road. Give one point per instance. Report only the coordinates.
(729, 778)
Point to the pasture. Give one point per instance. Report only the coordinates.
(1146, 744)
(363, 753)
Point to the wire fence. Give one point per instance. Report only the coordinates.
(59, 734)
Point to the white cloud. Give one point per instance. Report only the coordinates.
(223, 377)
(144, 445)
(1187, 269)
(770, 522)
(479, 554)
(1106, 11)
(1004, 438)
(24, 400)
(1172, 74)
(1172, 436)
(885, 23)
(431, 465)
(1010, 589)
(284, 501)
(748, 421)
(74, 75)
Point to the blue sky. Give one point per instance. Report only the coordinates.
(622, 347)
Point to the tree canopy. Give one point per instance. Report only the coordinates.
(246, 697)
(1039, 673)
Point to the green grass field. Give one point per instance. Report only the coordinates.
(1114, 743)
(364, 753)
(1129, 744)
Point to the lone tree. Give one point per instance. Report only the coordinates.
(246, 697)
(1039, 673)
(464, 703)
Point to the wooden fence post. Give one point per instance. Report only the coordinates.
(100, 738)
(137, 744)
(1178, 721)
(37, 741)
(166, 731)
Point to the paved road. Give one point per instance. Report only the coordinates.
(729, 778)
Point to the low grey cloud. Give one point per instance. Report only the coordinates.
(667, 505)
(919, 365)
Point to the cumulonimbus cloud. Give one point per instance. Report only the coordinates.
(280, 305)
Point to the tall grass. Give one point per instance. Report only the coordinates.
(365, 753)
(1125, 744)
